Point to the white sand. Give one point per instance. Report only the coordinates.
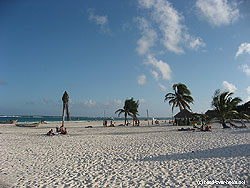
(146, 156)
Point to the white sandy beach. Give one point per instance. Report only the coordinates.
(145, 156)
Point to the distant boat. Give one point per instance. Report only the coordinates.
(28, 124)
(8, 122)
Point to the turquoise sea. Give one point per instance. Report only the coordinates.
(37, 118)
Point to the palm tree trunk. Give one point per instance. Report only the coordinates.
(224, 125)
(65, 100)
(63, 114)
(67, 111)
(125, 118)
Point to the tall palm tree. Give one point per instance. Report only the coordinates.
(65, 100)
(225, 106)
(180, 98)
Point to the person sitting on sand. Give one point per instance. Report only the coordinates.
(64, 131)
(50, 133)
(62, 128)
(57, 129)
(137, 122)
(105, 123)
(111, 124)
(207, 128)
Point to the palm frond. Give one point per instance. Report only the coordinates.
(180, 98)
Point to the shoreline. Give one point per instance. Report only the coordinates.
(57, 119)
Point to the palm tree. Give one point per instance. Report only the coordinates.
(134, 105)
(130, 108)
(225, 106)
(125, 110)
(180, 98)
(65, 100)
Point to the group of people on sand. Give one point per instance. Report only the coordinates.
(112, 123)
(195, 128)
(105, 123)
(203, 127)
(61, 130)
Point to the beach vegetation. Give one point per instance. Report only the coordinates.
(225, 106)
(181, 97)
(134, 105)
(130, 108)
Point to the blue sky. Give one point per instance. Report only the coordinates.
(103, 52)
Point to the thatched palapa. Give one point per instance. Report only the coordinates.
(184, 114)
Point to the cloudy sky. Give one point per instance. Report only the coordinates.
(103, 52)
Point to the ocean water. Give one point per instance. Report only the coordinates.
(37, 118)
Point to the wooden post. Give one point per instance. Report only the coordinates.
(147, 117)
(63, 114)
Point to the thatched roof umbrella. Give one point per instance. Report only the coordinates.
(65, 100)
(184, 114)
(211, 113)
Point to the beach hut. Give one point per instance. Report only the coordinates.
(183, 117)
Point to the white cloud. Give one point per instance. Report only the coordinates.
(228, 86)
(102, 21)
(148, 36)
(218, 12)
(248, 90)
(170, 24)
(142, 100)
(118, 101)
(47, 101)
(89, 103)
(243, 48)
(161, 66)
(245, 69)
(248, 99)
(155, 74)
(146, 3)
(71, 101)
(109, 103)
(164, 88)
(141, 79)
(196, 43)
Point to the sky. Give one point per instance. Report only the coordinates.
(104, 52)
